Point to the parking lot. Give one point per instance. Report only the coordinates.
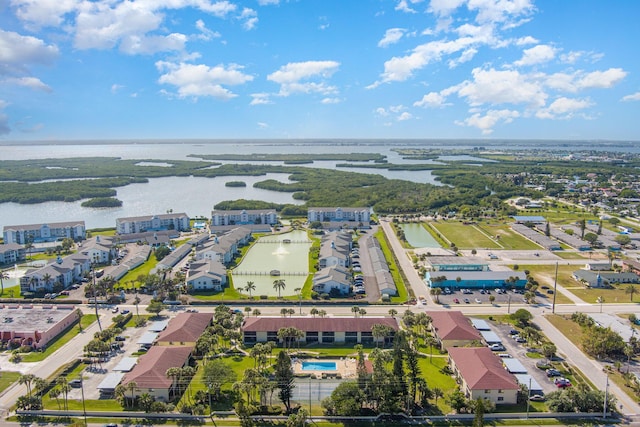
(482, 296)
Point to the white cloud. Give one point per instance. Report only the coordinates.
(405, 116)
(525, 41)
(487, 122)
(201, 80)
(501, 87)
(331, 101)
(444, 7)
(260, 99)
(536, 55)
(29, 82)
(17, 52)
(115, 88)
(391, 36)
(466, 56)
(148, 45)
(506, 12)
(397, 108)
(262, 125)
(292, 77)
(602, 79)
(563, 108)
(432, 99)
(268, 2)
(250, 18)
(403, 5)
(380, 111)
(632, 97)
(41, 13)
(205, 33)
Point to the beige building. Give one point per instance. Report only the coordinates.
(185, 329)
(481, 375)
(453, 329)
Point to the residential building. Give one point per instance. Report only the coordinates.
(150, 374)
(151, 238)
(330, 278)
(185, 329)
(225, 247)
(60, 274)
(38, 233)
(244, 216)
(384, 279)
(327, 330)
(359, 216)
(335, 249)
(99, 249)
(539, 238)
(207, 275)
(34, 326)
(140, 224)
(599, 279)
(12, 253)
(482, 376)
(453, 329)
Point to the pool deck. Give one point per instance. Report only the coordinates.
(345, 366)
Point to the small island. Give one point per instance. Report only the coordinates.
(102, 202)
(235, 184)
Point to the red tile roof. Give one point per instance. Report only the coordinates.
(151, 370)
(186, 327)
(453, 326)
(318, 324)
(481, 369)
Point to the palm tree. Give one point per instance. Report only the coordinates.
(65, 388)
(80, 314)
(279, 285)
(250, 288)
(630, 289)
(431, 341)
(313, 311)
(322, 313)
(393, 312)
(27, 380)
(132, 386)
(47, 280)
(355, 310)
(437, 392)
(3, 276)
(54, 393)
(136, 301)
(248, 311)
(284, 312)
(256, 312)
(297, 290)
(436, 292)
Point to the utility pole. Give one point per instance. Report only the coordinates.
(95, 295)
(606, 396)
(555, 290)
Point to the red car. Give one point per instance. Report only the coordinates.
(456, 300)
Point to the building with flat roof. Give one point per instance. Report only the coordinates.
(455, 280)
(37, 233)
(34, 326)
(140, 224)
(326, 330)
(457, 263)
(482, 376)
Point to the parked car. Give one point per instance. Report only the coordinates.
(553, 373)
(562, 382)
(497, 347)
(75, 383)
(466, 301)
(120, 338)
(537, 398)
(125, 311)
(478, 301)
(513, 332)
(115, 309)
(504, 355)
(520, 340)
(456, 300)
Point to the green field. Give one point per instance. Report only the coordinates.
(7, 378)
(509, 239)
(465, 236)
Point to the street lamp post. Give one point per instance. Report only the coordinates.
(600, 300)
(528, 397)
(84, 407)
(509, 305)
(606, 396)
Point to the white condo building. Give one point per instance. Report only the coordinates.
(140, 224)
(38, 233)
(242, 217)
(362, 215)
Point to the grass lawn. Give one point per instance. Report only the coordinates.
(11, 292)
(568, 327)
(398, 277)
(616, 295)
(509, 239)
(7, 378)
(465, 236)
(143, 269)
(545, 275)
(572, 255)
(61, 340)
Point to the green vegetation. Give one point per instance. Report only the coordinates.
(293, 158)
(7, 378)
(61, 340)
(102, 202)
(235, 184)
(394, 269)
(465, 236)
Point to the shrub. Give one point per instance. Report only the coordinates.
(264, 296)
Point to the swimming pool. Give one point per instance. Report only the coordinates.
(319, 366)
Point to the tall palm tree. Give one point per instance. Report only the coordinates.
(393, 312)
(313, 312)
(3, 276)
(27, 380)
(297, 290)
(136, 301)
(47, 280)
(355, 310)
(279, 285)
(630, 289)
(250, 288)
(256, 312)
(322, 313)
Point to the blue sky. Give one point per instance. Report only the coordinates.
(112, 69)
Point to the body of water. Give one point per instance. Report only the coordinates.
(417, 236)
(271, 253)
(197, 196)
